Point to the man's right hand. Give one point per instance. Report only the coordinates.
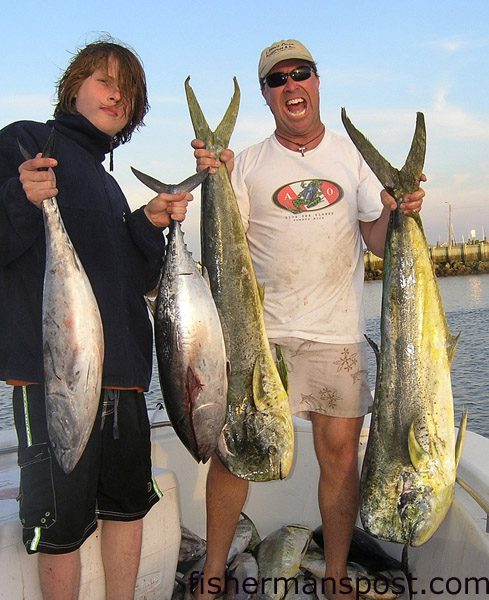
(207, 159)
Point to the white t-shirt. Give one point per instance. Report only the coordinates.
(301, 216)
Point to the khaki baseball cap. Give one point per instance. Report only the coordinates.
(282, 50)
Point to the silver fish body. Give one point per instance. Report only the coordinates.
(257, 439)
(192, 547)
(73, 344)
(190, 351)
(241, 540)
(370, 584)
(242, 580)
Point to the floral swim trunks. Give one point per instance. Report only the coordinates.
(330, 379)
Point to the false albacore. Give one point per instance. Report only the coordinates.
(409, 470)
(257, 439)
(73, 340)
(189, 343)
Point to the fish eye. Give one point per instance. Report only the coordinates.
(272, 450)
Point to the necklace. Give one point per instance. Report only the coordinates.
(301, 147)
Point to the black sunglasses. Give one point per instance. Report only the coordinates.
(279, 79)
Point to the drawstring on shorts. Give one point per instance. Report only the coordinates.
(111, 405)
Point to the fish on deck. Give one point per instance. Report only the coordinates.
(279, 558)
(289, 564)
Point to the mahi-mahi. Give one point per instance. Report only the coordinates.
(257, 439)
(409, 470)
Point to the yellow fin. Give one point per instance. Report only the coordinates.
(417, 455)
(261, 293)
(282, 367)
(151, 304)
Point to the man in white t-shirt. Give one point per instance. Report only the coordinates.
(307, 199)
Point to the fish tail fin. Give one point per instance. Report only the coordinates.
(25, 154)
(413, 167)
(383, 170)
(153, 184)
(224, 130)
(460, 438)
(48, 150)
(219, 139)
(187, 185)
(398, 183)
(199, 122)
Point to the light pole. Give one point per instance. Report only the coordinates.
(451, 240)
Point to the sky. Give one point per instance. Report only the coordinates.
(383, 60)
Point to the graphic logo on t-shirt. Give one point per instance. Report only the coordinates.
(308, 195)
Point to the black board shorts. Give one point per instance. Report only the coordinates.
(112, 480)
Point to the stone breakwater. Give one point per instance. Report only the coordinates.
(455, 259)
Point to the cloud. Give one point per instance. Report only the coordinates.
(444, 120)
(457, 43)
(453, 121)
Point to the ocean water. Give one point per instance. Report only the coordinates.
(466, 302)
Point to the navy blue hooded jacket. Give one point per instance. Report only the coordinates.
(120, 251)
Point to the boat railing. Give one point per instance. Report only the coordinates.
(13, 448)
(8, 450)
(159, 424)
(482, 502)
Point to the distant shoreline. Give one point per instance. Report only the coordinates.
(448, 261)
(446, 270)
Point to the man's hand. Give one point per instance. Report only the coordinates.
(411, 203)
(206, 158)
